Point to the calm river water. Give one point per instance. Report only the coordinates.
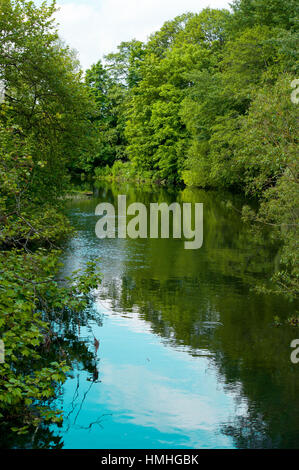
(188, 355)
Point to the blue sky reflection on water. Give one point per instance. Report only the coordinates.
(188, 352)
(150, 395)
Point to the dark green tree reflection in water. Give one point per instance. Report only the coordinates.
(188, 354)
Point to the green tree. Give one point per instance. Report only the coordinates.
(157, 136)
(44, 127)
(267, 150)
(250, 13)
(44, 91)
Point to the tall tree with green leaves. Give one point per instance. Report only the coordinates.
(45, 127)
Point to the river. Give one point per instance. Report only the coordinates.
(188, 355)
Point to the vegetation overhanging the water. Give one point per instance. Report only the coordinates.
(207, 101)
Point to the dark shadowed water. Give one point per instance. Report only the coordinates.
(189, 356)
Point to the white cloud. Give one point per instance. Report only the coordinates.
(96, 27)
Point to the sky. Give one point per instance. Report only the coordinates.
(96, 27)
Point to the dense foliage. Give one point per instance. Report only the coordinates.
(45, 128)
(206, 102)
